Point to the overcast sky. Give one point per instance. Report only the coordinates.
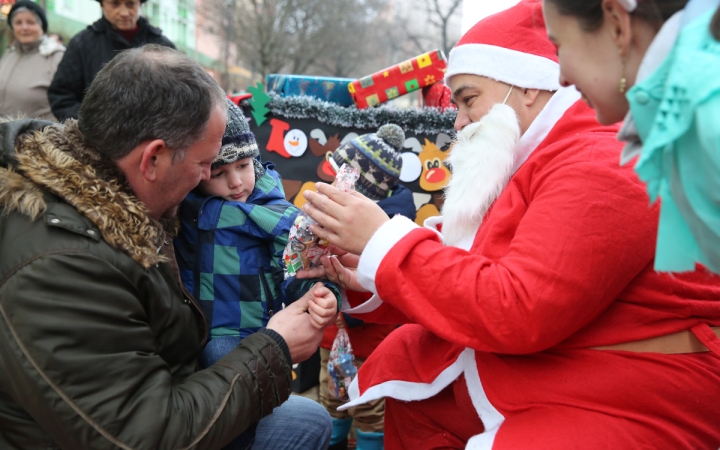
(474, 10)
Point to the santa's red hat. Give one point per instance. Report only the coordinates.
(511, 46)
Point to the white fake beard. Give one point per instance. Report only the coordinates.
(482, 162)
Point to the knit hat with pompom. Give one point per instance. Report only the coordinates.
(377, 157)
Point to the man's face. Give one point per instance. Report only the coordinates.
(122, 14)
(475, 96)
(183, 176)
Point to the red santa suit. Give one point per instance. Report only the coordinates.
(505, 322)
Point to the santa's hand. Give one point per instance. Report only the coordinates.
(346, 219)
(322, 306)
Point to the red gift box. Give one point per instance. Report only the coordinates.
(398, 80)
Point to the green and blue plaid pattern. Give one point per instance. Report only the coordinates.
(230, 256)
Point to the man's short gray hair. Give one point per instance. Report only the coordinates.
(147, 93)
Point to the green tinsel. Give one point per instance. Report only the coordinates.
(419, 121)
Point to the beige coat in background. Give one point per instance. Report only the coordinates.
(26, 71)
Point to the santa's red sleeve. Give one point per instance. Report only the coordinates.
(587, 232)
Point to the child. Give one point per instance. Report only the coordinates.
(376, 157)
(234, 228)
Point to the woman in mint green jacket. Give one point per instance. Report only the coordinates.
(658, 66)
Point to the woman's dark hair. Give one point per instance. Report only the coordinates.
(715, 25)
(590, 13)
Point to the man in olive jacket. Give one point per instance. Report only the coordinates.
(98, 338)
(120, 28)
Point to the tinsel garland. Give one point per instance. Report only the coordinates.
(419, 121)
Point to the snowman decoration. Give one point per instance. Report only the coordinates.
(295, 143)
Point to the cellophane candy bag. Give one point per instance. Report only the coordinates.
(341, 366)
(304, 249)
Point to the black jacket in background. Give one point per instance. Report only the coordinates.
(86, 54)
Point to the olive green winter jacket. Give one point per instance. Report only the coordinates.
(98, 341)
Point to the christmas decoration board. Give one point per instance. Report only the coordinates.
(300, 133)
(333, 90)
(399, 79)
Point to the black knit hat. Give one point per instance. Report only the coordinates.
(376, 156)
(32, 7)
(238, 142)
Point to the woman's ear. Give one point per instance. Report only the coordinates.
(616, 20)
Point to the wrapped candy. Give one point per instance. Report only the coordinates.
(304, 249)
(341, 366)
(346, 178)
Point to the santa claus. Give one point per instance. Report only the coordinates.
(535, 318)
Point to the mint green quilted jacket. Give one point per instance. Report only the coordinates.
(677, 114)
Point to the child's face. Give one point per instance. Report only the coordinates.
(234, 182)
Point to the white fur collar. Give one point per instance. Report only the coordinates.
(560, 102)
(48, 46)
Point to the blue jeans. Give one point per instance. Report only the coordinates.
(299, 423)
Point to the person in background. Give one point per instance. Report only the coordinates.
(656, 64)
(120, 28)
(28, 67)
(376, 157)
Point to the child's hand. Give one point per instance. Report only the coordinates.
(339, 322)
(322, 306)
(342, 270)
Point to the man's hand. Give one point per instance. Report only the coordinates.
(301, 330)
(346, 219)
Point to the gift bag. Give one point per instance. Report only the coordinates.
(341, 366)
(304, 249)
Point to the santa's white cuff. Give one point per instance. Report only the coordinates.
(433, 223)
(368, 306)
(385, 238)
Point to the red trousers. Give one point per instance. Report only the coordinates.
(445, 421)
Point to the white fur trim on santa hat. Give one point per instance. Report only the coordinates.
(519, 69)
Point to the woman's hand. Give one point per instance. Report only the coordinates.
(346, 219)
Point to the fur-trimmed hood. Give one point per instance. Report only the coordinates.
(58, 161)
